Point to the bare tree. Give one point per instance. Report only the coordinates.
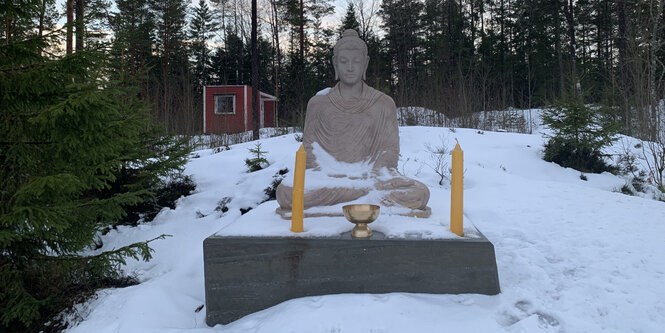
(367, 14)
(438, 158)
(642, 89)
(654, 155)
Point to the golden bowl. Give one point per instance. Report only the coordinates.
(361, 215)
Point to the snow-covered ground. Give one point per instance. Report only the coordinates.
(510, 120)
(572, 255)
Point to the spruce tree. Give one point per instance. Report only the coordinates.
(350, 21)
(201, 30)
(579, 133)
(67, 132)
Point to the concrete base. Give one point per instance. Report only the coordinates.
(248, 274)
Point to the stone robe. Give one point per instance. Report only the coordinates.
(364, 131)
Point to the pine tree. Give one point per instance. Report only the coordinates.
(171, 79)
(201, 30)
(534, 52)
(350, 21)
(133, 26)
(230, 63)
(26, 19)
(267, 67)
(403, 25)
(321, 73)
(67, 132)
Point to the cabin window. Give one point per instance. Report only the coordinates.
(225, 104)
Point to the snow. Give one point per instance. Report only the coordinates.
(263, 221)
(510, 120)
(324, 91)
(572, 255)
(333, 172)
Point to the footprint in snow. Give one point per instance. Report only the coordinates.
(524, 305)
(316, 302)
(522, 310)
(381, 298)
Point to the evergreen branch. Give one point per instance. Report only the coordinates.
(114, 255)
(9, 143)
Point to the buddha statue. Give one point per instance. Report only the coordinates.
(352, 142)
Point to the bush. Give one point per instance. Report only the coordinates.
(222, 205)
(626, 189)
(165, 195)
(271, 191)
(579, 134)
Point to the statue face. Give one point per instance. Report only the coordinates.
(350, 66)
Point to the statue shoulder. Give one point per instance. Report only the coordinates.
(318, 100)
(386, 101)
(315, 107)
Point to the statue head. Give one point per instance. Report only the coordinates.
(350, 58)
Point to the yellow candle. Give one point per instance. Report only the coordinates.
(297, 203)
(456, 192)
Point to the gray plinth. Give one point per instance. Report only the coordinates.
(248, 274)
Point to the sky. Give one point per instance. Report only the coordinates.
(331, 21)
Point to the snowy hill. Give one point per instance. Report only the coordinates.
(511, 120)
(572, 255)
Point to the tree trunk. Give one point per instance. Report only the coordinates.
(571, 34)
(502, 55)
(301, 62)
(255, 78)
(655, 44)
(557, 48)
(70, 26)
(623, 61)
(473, 25)
(276, 57)
(8, 28)
(165, 69)
(80, 26)
(42, 12)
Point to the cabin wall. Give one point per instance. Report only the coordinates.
(241, 120)
(269, 114)
(225, 123)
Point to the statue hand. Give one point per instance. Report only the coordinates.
(401, 182)
(395, 183)
(337, 175)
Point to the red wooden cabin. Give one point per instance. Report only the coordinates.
(228, 109)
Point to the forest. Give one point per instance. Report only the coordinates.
(452, 56)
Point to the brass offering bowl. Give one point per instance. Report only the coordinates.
(361, 215)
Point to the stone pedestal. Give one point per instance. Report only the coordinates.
(248, 274)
